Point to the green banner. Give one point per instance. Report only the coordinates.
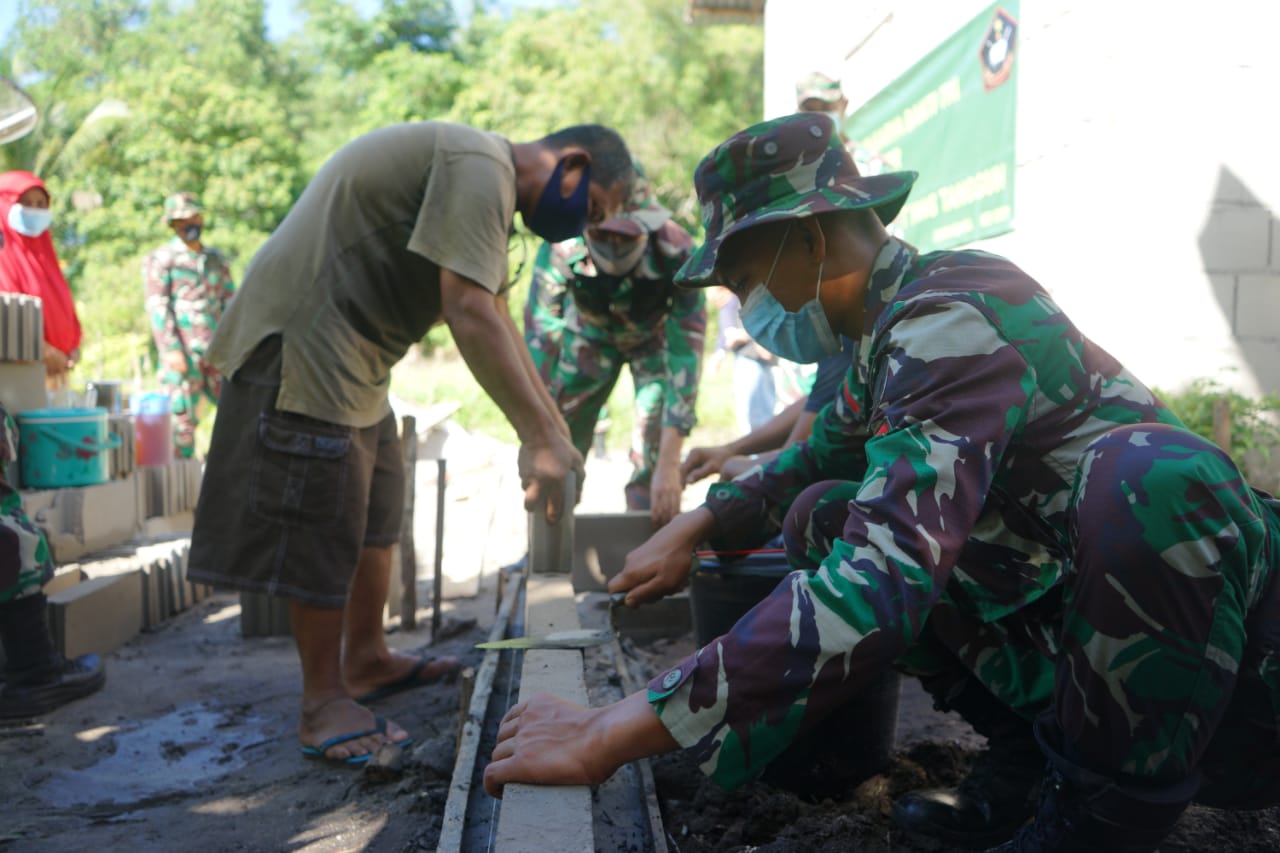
(952, 118)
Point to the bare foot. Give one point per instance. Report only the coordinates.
(393, 672)
(337, 717)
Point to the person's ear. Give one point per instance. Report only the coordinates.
(575, 159)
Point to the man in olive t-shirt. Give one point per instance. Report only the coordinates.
(403, 228)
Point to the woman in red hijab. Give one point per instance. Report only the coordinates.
(28, 264)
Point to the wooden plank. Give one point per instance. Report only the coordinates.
(453, 821)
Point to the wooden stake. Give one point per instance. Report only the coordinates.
(408, 559)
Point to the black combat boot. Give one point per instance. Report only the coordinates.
(999, 793)
(37, 679)
(1085, 812)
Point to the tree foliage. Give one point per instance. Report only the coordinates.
(140, 98)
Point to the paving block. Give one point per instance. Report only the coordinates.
(123, 458)
(21, 328)
(64, 577)
(151, 584)
(533, 813)
(22, 386)
(102, 516)
(600, 545)
(97, 615)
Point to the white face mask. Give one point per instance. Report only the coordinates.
(30, 221)
(838, 118)
(616, 258)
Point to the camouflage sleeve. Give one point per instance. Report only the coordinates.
(950, 394)
(226, 284)
(158, 293)
(750, 509)
(549, 290)
(686, 329)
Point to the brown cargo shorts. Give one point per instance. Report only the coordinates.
(288, 501)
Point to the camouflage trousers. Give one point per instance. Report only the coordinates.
(1159, 654)
(581, 374)
(186, 392)
(25, 562)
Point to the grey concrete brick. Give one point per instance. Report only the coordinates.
(600, 545)
(1258, 306)
(98, 615)
(1236, 239)
(540, 812)
(64, 577)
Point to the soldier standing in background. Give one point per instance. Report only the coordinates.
(187, 286)
(605, 299)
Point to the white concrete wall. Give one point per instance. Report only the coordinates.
(1148, 176)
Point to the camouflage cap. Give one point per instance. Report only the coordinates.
(785, 168)
(819, 87)
(181, 206)
(642, 213)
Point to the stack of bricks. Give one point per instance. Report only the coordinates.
(124, 458)
(172, 488)
(21, 328)
(21, 365)
(122, 597)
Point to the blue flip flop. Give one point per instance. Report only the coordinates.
(409, 682)
(380, 727)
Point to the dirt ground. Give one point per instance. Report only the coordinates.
(192, 746)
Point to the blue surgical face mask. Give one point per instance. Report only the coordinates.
(556, 218)
(804, 336)
(30, 221)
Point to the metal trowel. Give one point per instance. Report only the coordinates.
(582, 638)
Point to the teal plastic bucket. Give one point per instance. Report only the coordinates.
(65, 447)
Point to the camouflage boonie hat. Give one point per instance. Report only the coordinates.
(785, 168)
(820, 87)
(180, 206)
(642, 213)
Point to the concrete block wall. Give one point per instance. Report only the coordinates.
(1146, 184)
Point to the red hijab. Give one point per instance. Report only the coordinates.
(29, 265)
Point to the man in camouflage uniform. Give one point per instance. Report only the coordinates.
(992, 503)
(187, 287)
(35, 678)
(606, 299)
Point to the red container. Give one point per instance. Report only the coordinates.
(153, 430)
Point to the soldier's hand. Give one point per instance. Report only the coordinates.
(736, 466)
(661, 565)
(703, 462)
(543, 469)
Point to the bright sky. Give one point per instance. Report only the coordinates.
(280, 15)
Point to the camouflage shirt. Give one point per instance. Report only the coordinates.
(186, 293)
(962, 419)
(632, 312)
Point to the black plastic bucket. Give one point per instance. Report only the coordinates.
(852, 744)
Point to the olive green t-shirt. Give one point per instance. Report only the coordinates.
(351, 277)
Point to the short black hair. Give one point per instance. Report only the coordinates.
(610, 159)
